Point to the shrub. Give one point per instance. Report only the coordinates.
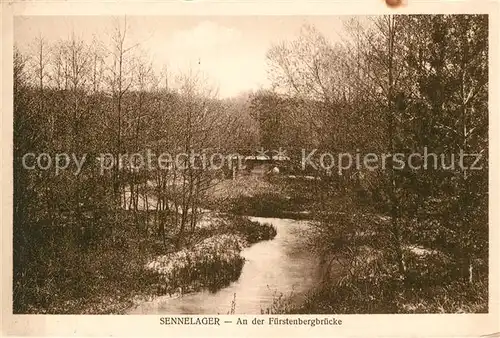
(213, 263)
(251, 231)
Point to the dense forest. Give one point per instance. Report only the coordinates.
(392, 84)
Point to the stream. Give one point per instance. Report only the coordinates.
(282, 265)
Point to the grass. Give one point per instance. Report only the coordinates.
(248, 195)
(384, 295)
(281, 304)
(101, 279)
(263, 197)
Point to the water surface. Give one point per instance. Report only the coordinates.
(282, 265)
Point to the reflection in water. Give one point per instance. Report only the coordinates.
(281, 265)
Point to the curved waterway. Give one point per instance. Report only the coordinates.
(282, 265)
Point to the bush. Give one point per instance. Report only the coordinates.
(98, 279)
(251, 231)
(213, 263)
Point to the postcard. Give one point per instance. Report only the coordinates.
(200, 168)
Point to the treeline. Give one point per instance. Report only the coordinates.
(393, 84)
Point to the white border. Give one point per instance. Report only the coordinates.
(148, 325)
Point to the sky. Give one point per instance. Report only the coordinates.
(229, 50)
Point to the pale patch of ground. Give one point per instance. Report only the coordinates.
(241, 186)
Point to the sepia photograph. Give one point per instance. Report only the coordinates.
(250, 165)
